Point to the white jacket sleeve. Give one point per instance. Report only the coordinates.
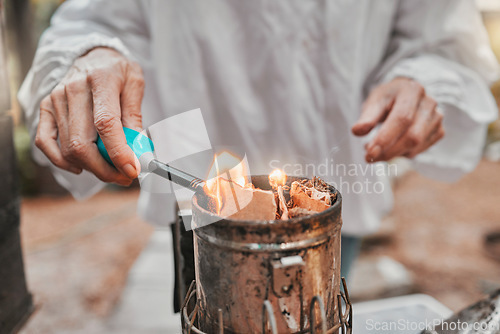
(77, 27)
(443, 45)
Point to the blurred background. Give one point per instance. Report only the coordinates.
(79, 256)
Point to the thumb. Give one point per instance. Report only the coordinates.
(107, 121)
(131, 98)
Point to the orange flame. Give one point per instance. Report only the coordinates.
(277, 178)
(225, 166)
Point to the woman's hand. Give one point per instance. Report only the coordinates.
(410, 120)
(101, 93)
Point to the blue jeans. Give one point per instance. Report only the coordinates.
(350, 247)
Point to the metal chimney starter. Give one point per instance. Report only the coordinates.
(276, 276)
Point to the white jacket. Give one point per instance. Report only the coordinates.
(284, 80)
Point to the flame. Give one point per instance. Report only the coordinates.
(227, 166)
(277, 178)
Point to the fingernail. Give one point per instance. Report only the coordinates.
(130, 171)
(75, 170)
(375, 152)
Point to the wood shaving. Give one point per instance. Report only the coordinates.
(311, 195)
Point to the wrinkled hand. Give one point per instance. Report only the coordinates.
(101, 93)
(410, 121)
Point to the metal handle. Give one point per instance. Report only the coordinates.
(319, 301)
(268, 316)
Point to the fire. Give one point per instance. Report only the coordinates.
(226, 166)
(277, 178)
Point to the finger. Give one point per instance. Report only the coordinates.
(107, 121)
(425, 121)
(434, 126)
(131, 98)
(82, 134)
(46, 138)
(398, 121)
(60, 108)
(374, 110)
(435, 137)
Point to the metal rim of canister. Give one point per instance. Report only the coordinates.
(266, 247)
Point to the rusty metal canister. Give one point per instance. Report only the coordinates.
(283, 265)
